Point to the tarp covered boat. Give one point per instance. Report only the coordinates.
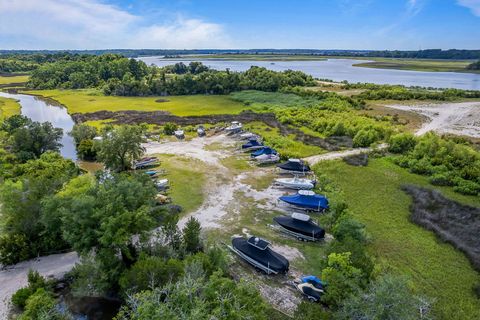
(263, 150)
(312, 287)
(307, 200)
(145, 162)
(252, 145)
(296, 166)
(201, 131)
(300, 226)
(257, 252)
(296, 183)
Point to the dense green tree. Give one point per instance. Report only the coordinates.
(389, 297)
(25, 233)
(30, 141)
(342, 278)
(401, 143)
(191, 236)
(120, 147)
(14, 122)
(474, 66)
(82, 132)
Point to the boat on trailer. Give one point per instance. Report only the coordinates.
(252, 145)
(306, 200)
(262, 151)
(145, 162)
(296, 183)
(257, 252)
(248, 136)
(267, 158)
(201, 131)
(180, 134)
(234, 127)
(295, 166)
(300, 226)
(161, 184)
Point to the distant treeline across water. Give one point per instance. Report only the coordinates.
(453, 54)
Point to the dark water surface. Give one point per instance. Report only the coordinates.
(342, 69)
(42, 111)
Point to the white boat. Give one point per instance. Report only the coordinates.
(248, 136)
(201, 131)
(161, 184)
(267, 158)
(296, 183)
(180, 134)
(234, 127)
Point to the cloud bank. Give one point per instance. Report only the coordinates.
(92, 24)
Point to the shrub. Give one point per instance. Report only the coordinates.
(347, 227)
(401, 143)
(358, 255)
(35, 282)
(191, 236)
(13, 248)
(365, 138)
(169, 128)
(86, 151)
(466, 187)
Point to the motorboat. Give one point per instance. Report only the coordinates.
(145, 162)
(262, 151)
(295, 166)
(161, 184)
(306, 200)
(151, 173)
(180, 134)
(258, 253)
(296, 183)
(311, 287)
(300, 226)
(201, 131)
(267, 158)
(252, 145)
(234, 127)
(248, 136)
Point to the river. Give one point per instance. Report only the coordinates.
(343, 69)
(40, 110)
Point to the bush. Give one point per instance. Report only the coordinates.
(365, 138)
(13, 248)
(169, 128)
(466, 187)
(41, 305)
(401, 143)
(191, 236)
(358, 255)
(35, 282)
(86, 151)
(347, 227)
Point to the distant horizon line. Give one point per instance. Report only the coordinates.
(240, 50)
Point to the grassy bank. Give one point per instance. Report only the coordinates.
(13, 79)
(419, 65)
(436, 269)
(91, 100)
(8, 107)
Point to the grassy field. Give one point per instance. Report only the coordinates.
(13, 79)
(186, 178)
(419, 65)
(435, 268)
(8, 107)
(91, 100)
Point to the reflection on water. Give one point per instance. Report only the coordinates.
(342, 69)
(42, 111)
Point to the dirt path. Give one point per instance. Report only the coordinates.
(15, 277)
(457, 118)
(342, 154)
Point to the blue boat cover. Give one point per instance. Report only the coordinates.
(315, 279)
(264, 150)
(251, 143)
(314, 202)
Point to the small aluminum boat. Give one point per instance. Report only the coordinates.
(180, 134)
(267, 158)
(235, 127)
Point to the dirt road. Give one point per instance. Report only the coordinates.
(15, 277)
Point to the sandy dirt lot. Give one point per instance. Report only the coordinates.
(456, 118)
(15, 277)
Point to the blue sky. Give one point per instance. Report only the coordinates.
(320, 24)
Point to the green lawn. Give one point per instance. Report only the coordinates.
(186, 178)
(13, 79)
(8, 107)
(436, 269)
(91, 100)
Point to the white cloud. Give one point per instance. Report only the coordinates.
(473, 5)
(92, 24)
